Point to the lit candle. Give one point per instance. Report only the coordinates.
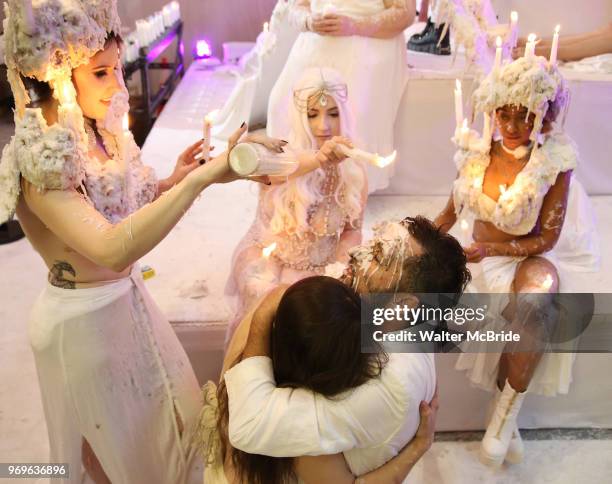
(266, 252)
(530, 46)
(464, 140)
(498, 55)
(514, 27)
(266, 27)
(553, 49)
(373, 159)
(208, 122)
(458, 103)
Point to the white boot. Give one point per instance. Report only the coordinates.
(516, 449)
(496, 440)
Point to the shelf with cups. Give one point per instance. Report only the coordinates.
(149, 102)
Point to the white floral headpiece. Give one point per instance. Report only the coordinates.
(528, 81)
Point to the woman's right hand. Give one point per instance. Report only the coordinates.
(332, 151)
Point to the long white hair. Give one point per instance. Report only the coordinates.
(292, 199)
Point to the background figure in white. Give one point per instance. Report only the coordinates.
(363, 40)
(314, 216)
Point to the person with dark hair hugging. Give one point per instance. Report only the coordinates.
(299, 401)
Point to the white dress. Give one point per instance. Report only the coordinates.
(375, 71)
(516, 212)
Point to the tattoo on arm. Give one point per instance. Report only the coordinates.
(56, 275)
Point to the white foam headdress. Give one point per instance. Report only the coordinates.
(528, 81)
(46, 40)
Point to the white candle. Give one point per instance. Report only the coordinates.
(209, 119)
(266, 252)
(464, 140)
(486, 128)
(458, 103)
(373, 159)
(553, 49)
(250, 159)
(498, 54)
(514, 27)
(28, 18)
(530, 46)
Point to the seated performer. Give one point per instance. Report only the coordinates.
(363, 41)
(313, 330)
(371, 423)
(517, 190)
(312, 217)
(115, 381)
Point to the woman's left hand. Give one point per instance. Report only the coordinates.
(188, 161)
(334, 25)
(476, 252)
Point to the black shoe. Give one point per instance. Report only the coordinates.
(428, 26)
(10, 232)
(428, 43)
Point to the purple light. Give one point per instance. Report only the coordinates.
(203, 49)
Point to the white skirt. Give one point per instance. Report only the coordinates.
(112, 370)
(577, 250)
(375, 71)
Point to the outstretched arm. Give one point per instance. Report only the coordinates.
(552, 216)
(116, 246)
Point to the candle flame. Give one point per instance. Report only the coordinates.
(382, 161)
(498, 41)
(532, 37)
(548, 282)
(557, 29)
(514, 16)
(267, 251)
(464, 224)
(458, 84)
(210, 117)
(126, 122)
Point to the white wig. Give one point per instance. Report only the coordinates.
(292, 199)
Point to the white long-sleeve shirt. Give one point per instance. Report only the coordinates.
(369, 424)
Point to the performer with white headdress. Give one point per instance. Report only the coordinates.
(520, 190)
(310, 219)
(363, 41)
(118, 390)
